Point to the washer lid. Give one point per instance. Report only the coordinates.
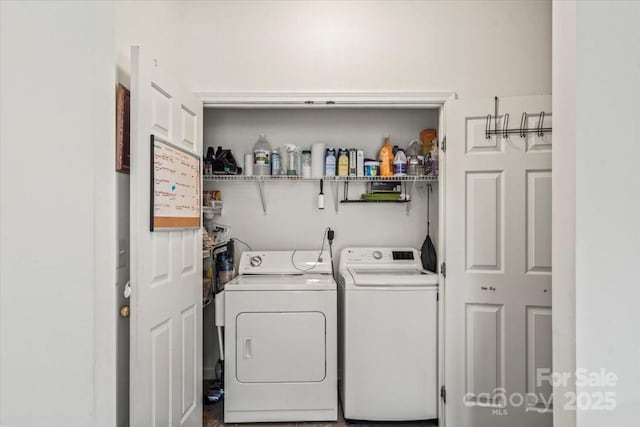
(393, 277)
(273, 282)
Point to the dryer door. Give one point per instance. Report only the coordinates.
(280, 347)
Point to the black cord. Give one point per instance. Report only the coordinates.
(237, 265)
(333, 273)
(244, 243)
(324, 238)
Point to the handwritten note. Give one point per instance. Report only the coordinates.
(176, 187)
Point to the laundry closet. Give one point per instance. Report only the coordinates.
(283, 214)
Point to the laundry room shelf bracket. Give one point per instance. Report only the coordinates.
(260, 183)
(410, 195)
(335, 189)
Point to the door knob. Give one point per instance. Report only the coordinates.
(124, 311)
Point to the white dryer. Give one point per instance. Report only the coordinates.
(388, 309)
(281, 339)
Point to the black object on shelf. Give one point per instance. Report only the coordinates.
(225, 163)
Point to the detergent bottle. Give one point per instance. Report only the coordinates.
(386, 158)
(400, 163)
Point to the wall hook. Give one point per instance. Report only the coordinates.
(505, 126)
(523, 125)
(540, 124)
(495, 118)
(487, 127)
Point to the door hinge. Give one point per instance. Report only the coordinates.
(443, 394)
(444, 144)
(437, 296)
(127, 290)
(443, 269)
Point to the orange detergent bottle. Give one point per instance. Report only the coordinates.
(386, 158)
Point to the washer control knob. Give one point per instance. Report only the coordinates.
(377, 254)
(256, 261)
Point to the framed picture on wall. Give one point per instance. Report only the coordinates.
(123, 113)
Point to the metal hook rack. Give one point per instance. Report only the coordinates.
(539, 130)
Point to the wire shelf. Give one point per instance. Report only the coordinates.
(375, 201)
(409, 181)
(289, 178)
(211, 211)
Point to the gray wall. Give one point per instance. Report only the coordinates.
(608, 204)
(564, 206)
(475, 48)
(57, 214)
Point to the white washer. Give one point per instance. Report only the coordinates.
(388, 308)
(281, 339)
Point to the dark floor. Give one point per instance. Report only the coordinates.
(213, 416)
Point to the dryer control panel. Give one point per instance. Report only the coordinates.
(285, 262)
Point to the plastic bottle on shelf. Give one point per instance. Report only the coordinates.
(353, 162)
(386, 158)
(330, 162)
(208, 161)
(343, 162)
(275, 162)
(427, 164)
(262, 156)
(414, 158)
(359, 162)
(427, 136)
(306, 164)
(434, 157)
(292, 164)
(400, 163)
(318, 151)
(248, 164)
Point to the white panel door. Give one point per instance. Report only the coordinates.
(166, 266)
(498, 255)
